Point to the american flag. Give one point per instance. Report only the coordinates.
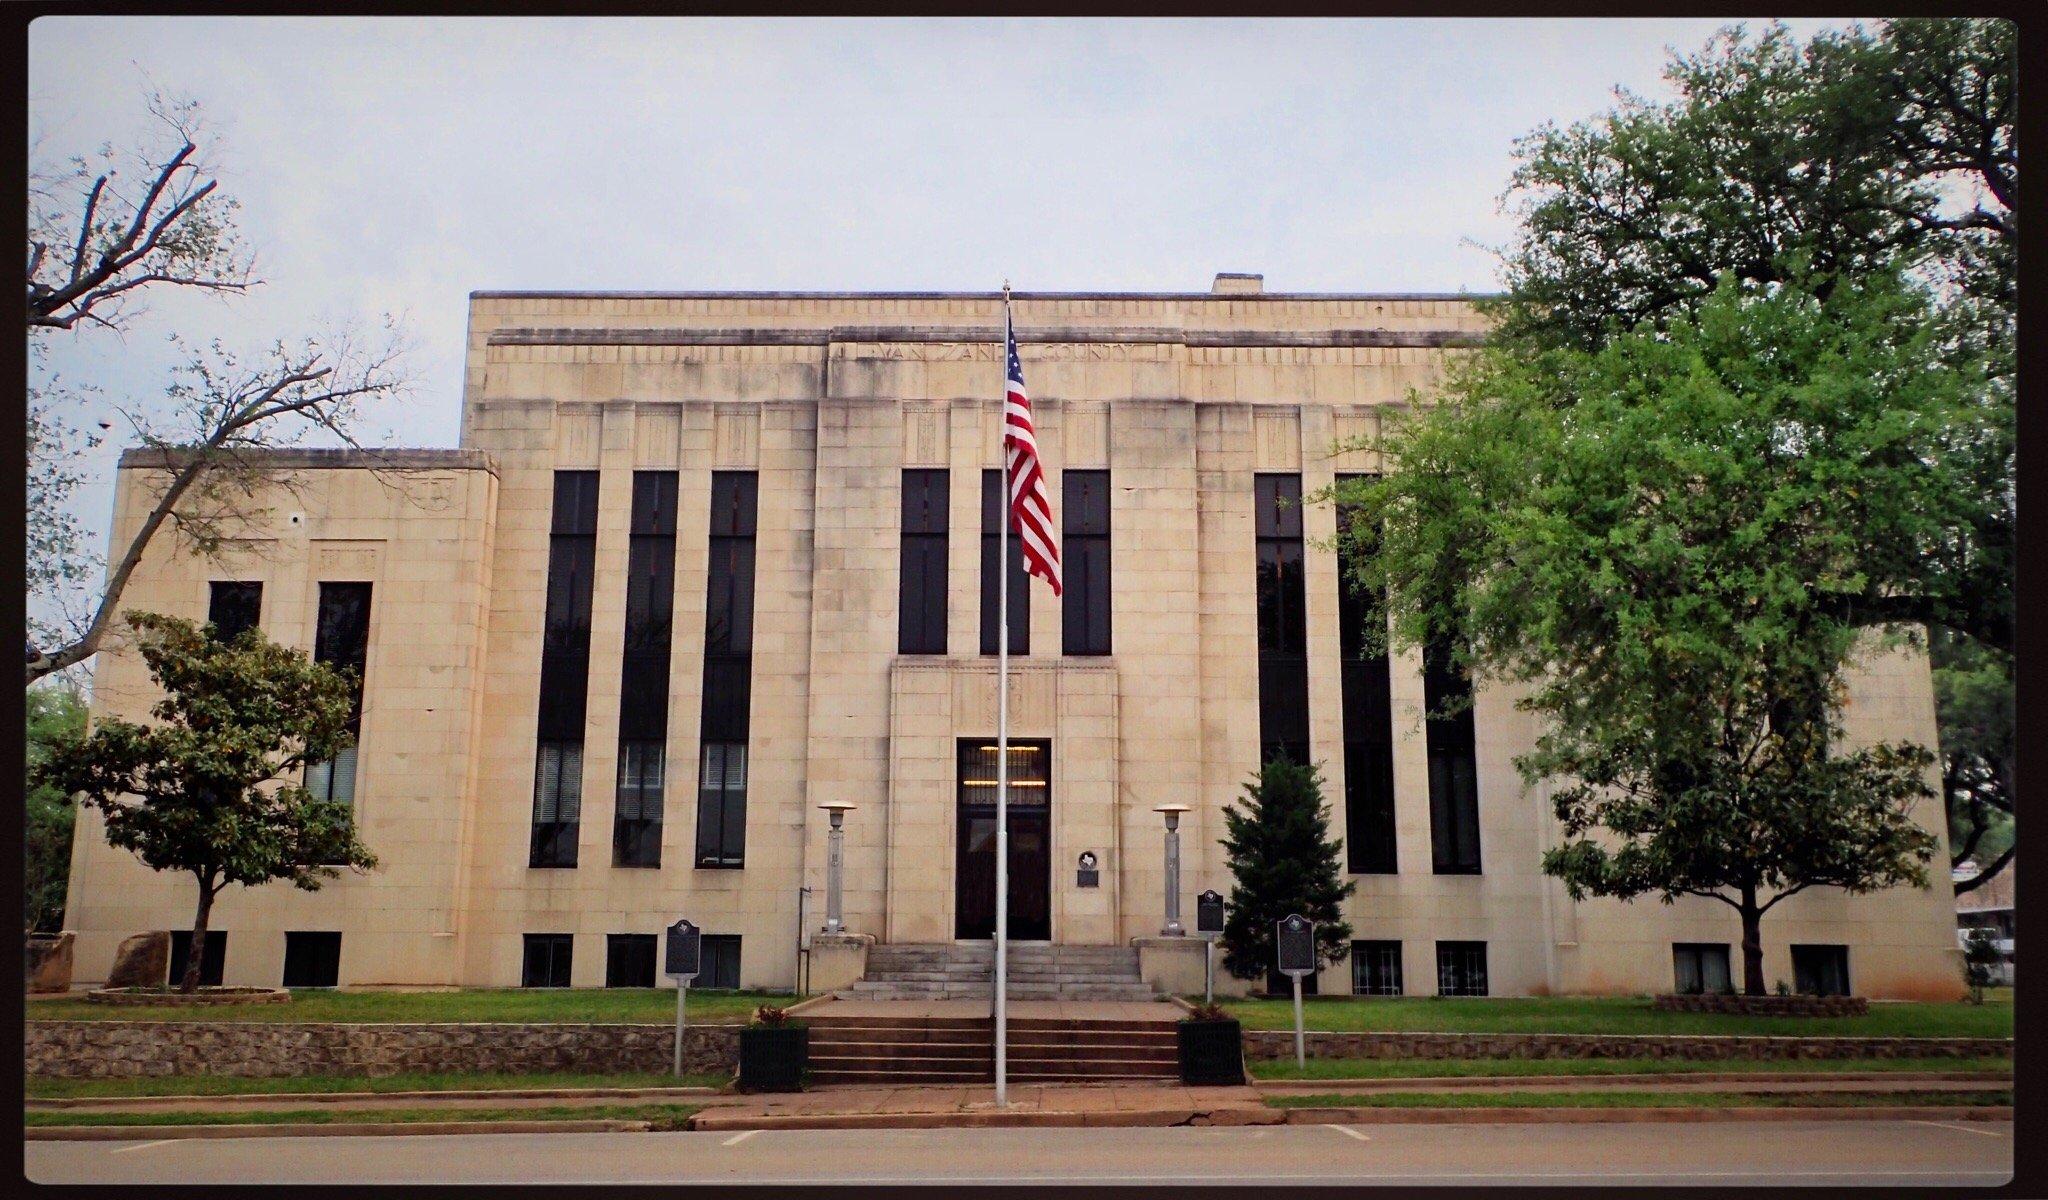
(1030, 511)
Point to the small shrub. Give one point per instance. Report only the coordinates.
(771, 1016)
(1207, 1012)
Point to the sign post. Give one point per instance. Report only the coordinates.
(683, 958)
(1209, 923)
(1295, 945)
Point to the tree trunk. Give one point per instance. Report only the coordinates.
(1752, 945)
(196, 956)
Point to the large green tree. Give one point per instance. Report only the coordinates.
(213, 787)
(1663, 538)
(55, 715)
(1283, 861)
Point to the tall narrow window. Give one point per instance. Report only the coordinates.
(1084, 562)
(233, 607)
(1283, 619)
(728, 673)
(993, 513)
(1368, 714)
(921, 601)
(564, 672)
(643, 677)
(341, 639)
(1453, 768)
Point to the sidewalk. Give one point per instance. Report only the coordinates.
(975, 1107)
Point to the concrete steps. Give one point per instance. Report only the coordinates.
(966, 970)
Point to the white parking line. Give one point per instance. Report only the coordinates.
(1348, 1131)
(737, 1138)
(142, 1146)
(1964, 1129)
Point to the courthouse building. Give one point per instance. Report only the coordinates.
(705, 561)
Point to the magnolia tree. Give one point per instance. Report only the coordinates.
(213, 788)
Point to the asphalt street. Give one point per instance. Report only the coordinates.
(1899, 1153)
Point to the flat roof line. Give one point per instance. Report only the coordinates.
(545, 294)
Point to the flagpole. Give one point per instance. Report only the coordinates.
(1003, 735)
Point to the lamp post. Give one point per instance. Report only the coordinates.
(835, 856)
(1172, 813)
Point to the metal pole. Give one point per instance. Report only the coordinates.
(1300, 1052)
(1173, 926)
(1208, 970)
(682, 991)
(1003, 737)
(834, 857)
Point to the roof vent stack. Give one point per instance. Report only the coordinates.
(1233, 283)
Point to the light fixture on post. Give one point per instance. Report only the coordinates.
(1172, 813)
(835, 857)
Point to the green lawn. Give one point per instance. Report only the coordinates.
(1602, 1014)
(1428, 1068)
(664, 1116)
(1641, 1100)
(416, 1081)
(574, 1005)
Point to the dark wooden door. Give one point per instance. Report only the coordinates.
(974, 901)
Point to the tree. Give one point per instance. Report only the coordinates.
(55, 714)
(1283, 861)
(1981, 958)
(1973, 696)
(1656, 536)
(96, 249)
(1807, 166)
(211, 789)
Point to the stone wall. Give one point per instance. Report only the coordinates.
(98, 1049)
(1277, 1044)
(1764, 1006)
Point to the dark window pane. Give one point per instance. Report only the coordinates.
(637, 813)
(1282, 618)
(547, 960)
(1453, 766)
(629, 960)
(722, 805)
(921, 598)
(993, 514)
(1820, 970)
(1700, 968)
(1084, 563)
(312, 959)
(557, 804)
(1376, 968)
(210, 963)
(575, 502)
(234, 607)
(1461, 968)
(565, 667)
(720, 962)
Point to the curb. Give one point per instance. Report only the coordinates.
(145, 1133)
(1059, 1118)
(258, 1099)
(1446, 1083)
(1605, 1116)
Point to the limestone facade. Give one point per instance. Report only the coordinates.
(1182, 397)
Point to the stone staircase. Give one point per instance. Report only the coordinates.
(911, 1050)
(966, 971)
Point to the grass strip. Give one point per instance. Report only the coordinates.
(663, 1116)
(1451, 1068)
(1611, 1015)
(414, 1081)
(1642, 1100)
(602, 1006)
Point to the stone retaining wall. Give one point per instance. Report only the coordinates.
(98, 1049)
(1764, 1006)
(1276, 1044)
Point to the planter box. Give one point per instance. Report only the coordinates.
(774, 1058)
(1211, 1053)
(1765, 1006)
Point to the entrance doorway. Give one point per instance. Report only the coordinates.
(974, 894)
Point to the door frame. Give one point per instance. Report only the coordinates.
(960, 806)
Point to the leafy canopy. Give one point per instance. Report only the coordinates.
(211, 787)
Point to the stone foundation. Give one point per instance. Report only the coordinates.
(1766, 1006)
(102, 1049)
(1279, 1043)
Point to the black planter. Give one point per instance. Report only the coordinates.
(773, 1058)
(1211, 1052)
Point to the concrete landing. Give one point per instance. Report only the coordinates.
(1027, 1010)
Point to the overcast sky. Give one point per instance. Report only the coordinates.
(394, 165)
